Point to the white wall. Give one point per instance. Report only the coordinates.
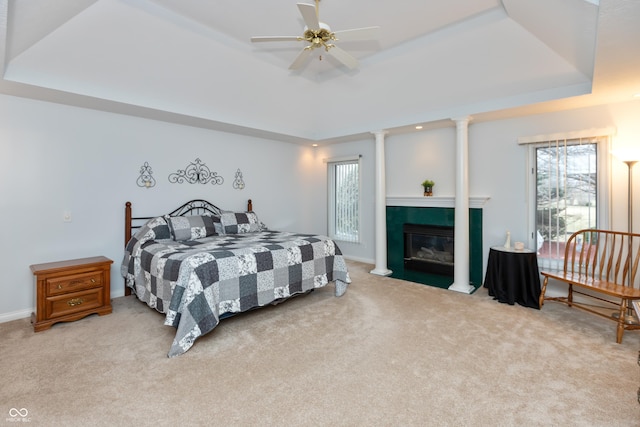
(412, 158)
(55, 158)
(497, 165)
(365, 249)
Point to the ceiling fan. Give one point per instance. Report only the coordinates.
(319, 35)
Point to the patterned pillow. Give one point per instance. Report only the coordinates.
(154, 229)
(240, 222)
(159, 228)
(216, 223)
(191, 227)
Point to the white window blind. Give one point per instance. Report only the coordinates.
(566, 193)
(344, 199)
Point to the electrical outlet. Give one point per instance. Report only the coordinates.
(66, 216)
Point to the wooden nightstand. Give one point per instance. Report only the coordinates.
(71, 290)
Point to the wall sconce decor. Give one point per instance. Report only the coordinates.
(238, 183)
(196, 173)
(146, 178)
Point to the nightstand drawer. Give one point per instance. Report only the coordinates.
(72, 303)
(74, 283)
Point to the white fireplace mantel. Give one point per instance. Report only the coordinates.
(434, 201)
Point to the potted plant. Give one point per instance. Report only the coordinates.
(428, 187)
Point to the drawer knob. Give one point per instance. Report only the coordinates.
(74, 302)
(93, 280)
(59, 286)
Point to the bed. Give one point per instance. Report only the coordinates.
(199, 264)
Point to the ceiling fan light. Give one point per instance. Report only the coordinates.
(319, 35)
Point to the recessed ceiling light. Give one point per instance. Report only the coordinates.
(314, 145)
(637, 95)
(418, 127)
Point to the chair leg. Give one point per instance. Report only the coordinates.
(621, 317)
(570, 295)
(543, 290)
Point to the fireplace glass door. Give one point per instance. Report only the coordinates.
(428, 249)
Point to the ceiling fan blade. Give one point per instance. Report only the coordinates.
(274, 38)
(366, 33)
(302, 57)
(343, 57)
(308, 12)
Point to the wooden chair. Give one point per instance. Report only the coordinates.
(602, 265)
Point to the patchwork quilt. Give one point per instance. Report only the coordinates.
(194, 282)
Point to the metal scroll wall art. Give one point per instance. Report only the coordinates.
(196, 173)
(238, 183)
(146, 178)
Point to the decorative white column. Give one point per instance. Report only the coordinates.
(461, 239)
(380, 208)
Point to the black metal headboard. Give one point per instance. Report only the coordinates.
(192, 207)
(196, 207)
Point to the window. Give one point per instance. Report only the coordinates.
(344, 199)
(567, 193)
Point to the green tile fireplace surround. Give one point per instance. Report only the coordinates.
(397, 216)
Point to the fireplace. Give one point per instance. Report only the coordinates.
(435, 217)
(428, 248)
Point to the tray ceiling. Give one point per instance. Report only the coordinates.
(191, 62)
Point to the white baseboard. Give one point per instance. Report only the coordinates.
(15, 315)
(364, 260)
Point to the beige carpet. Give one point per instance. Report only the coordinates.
(387, 353)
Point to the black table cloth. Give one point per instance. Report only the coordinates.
(513, 277)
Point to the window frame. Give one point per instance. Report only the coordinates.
(603, 190)
(331, 196)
